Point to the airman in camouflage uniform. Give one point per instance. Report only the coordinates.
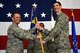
(59, 33)
(35, 46)
(16, 35)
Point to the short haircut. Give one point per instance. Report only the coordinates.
(14, 14)
(58, 3)
(42, 24)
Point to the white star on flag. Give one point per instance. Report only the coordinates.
(18, 5)
(9, 14)
(1, 5)
(26, 14)
(34, 5)
(43, 14)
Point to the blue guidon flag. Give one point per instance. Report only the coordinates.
(74, 38)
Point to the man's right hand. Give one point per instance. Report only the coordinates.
(43, 41)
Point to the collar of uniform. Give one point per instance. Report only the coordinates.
(60, 14)
(14, 24)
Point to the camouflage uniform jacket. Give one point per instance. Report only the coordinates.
(60, 34)
(35, 46)
(16, 35)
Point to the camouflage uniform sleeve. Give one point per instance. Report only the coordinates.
(46, 32)
(57, 28)
(22, 34)
(31, 30)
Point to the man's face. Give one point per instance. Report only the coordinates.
(16, 18)
(57, 7)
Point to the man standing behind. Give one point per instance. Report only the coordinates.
(36, 48)
(16, 35)
(60, 32)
